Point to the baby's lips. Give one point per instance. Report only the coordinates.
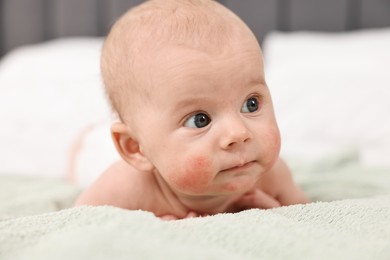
(237, 166)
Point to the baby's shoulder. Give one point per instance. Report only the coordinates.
(124, 174)
(120, 185)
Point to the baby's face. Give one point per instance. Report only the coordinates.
(209, 126)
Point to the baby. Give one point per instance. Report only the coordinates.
(197, 130)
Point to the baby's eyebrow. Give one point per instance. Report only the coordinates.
(189, 102)
(258, 80)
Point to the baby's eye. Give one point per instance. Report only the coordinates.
(250, 105)
(198, 121)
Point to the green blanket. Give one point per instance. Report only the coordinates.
(35, 224)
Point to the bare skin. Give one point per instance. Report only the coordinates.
(120, 184)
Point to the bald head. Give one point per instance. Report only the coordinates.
(142, 33)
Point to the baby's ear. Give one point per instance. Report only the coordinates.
(129, 148)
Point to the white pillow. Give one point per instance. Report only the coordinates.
(331, 92)
(49, 92)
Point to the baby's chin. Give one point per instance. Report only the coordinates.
(240, 184)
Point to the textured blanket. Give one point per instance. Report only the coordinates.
(36, 224)
(348, 229)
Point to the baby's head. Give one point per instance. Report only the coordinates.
(138, 42)
(187, 81)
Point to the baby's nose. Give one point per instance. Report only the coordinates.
(236, 133)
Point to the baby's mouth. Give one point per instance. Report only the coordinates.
(239, 167)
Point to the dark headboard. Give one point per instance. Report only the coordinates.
(31, 21)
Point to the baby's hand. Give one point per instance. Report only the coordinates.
(256, 199)
(190, 214)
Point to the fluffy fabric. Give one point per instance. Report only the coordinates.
(348, 229)
(35, 224)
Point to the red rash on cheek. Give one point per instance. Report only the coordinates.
(196, 174)
(198, 162)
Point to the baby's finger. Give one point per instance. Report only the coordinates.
(192, 214)
(168, 217)
(258, 199)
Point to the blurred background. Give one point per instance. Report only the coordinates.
(327, 65)
(31, 21)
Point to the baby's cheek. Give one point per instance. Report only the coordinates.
(271, 145)
(195, 175)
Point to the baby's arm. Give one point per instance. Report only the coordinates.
(280, 184)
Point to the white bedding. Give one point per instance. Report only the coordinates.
(48, 94)
(345, 229)
(331, 92)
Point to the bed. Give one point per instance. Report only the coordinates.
(327, 65)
